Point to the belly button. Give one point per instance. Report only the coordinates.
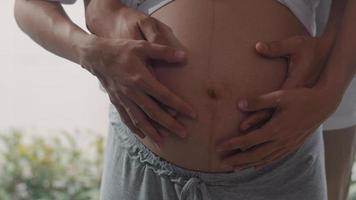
(212, 93)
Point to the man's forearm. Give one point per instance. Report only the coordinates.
(335, 17)
(49, 26)
(341, 65)
(328, 37)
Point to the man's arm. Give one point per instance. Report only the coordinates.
(341, 66)
(112, 19)
(48, 25)
(317, 101)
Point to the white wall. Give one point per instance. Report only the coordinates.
(40, 91)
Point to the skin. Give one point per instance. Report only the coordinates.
(281, 135)
(307, 57)
(50, 27)
(339, 158)
(140, 107)
(216, 101)
(276, 96)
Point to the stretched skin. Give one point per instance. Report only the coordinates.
(222, 67)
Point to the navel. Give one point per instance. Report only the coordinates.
(212, 93)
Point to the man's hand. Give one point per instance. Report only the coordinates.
(306, 57)
(136, 106)
(298, 113)
(297, 109)
(120, 66)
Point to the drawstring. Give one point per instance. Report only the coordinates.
(195, 189)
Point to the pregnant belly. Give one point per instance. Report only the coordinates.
(223, 67)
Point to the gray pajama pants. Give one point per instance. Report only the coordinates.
(133, 172)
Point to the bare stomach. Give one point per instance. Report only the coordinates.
(223, 67)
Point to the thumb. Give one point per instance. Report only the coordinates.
(279, 48)
(163, 52)
(270, 100)
(151, 31)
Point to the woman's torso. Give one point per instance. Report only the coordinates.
(223, 67)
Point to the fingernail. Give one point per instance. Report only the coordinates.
(243, 104)
(179, 54)
(261, 46)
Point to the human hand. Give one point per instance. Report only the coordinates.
(120, 66)
(306, 57)
(119, 21)
(298, 113)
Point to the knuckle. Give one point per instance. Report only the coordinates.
(137, 80)
(140, 44)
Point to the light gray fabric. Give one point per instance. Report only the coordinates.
(133, 172)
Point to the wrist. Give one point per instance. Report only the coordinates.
(84, 51)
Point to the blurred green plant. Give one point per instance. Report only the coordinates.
(50, 168)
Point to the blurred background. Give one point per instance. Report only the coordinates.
(53, 120)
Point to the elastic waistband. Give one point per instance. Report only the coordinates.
(137, 150)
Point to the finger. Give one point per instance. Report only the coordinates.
(127, 121)
(165, 96)
(150, 30)
(278, 155)
(255, 119)
(298, 73)
(161, 52)
(253, 155)
(169, 110)
(156, 113)
(279, 48)
(140, 121)
(244, 142)
(269, 100)
(161, 130)
(124, 116)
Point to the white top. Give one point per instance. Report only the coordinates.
(305, 10)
